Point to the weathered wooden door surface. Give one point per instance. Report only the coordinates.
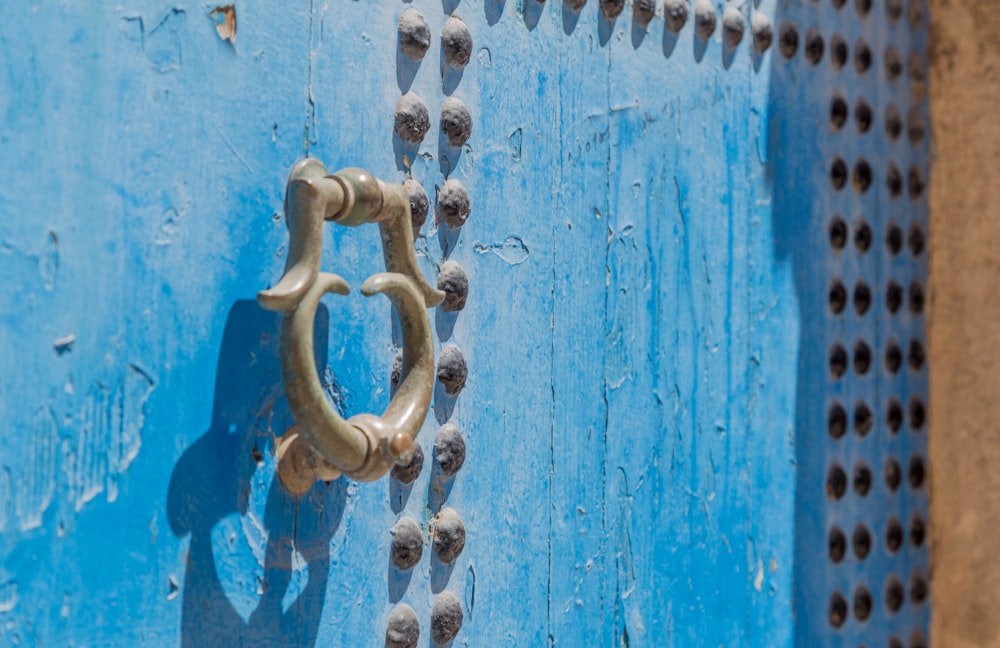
(653, 415)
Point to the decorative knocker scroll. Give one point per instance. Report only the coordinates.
(322, 445)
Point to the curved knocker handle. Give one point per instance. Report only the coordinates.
(322, 444)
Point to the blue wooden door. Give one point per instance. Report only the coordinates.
(694, 407)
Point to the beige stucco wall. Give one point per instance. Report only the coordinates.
(964, 327)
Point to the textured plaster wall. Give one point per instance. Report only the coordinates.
(965, 322)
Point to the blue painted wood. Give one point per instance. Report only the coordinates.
(646, 330)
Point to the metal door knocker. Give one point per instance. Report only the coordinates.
(322, 445)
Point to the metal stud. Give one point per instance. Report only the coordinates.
(403, 629)
(407, 544)
(419, 203)
(408, 473)
(456, 121)
(453, 204)
(446, 618)
(455, 284)
(449, 535)
(733, 25)
(643, 10)
(675, 13)
(414, 35)
(457, 43)
(452, 370)
(449, 450)
(704, 19)
(612, 8)
(412, 119)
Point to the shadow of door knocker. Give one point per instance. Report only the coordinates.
(322, 445)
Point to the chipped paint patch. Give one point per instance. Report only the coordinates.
(225, 22)
(512, 250)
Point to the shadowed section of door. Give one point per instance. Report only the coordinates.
(258, 559)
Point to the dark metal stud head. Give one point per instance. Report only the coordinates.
(412, 119)
(575, 5)
(763, 32)
(704, 19)
(675, 14)
(414, 34)
(419, 203)
(612, 8)
(453, 204)
(449, 535)
(733, 26)
(449, 449)
(456, 122)
(455, 284)
(407, 544)
(403, 629)
(446, 618)
(643, 10)
(457, 43)
(452, 370)
(408, 474)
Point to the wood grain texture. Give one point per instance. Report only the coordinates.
(632, 328)
(964, 349)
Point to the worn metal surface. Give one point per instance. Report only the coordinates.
(643, 235)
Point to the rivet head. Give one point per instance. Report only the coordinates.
(675, 13)
(456, 122)
(412, 119)
(733, 26)
(446, 618)
(763, 32)
(575, 5)
(452, 370)
(612, 8)
(704, 19)
(414, 34)
(449, 449)
(449, 535)
(403, 629)
(455, 284)
(643, 10)
(457, 43)
(407, 544)
(408, 474)
(419, 204)
(296, 462)
(453, 204)
(401, 448)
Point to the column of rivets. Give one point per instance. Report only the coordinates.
(453, 206)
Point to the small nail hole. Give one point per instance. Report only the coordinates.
(894, 415)
(862, 237)
(917, 413)
(838, 360)
(893, 474)
(916, 298)
(918, 588)
(915, 355)
(838, 174)
(893, 536)
(788, 39)
(838, 113)
(838, 298)
(862, 298)
(915, 472)
(838, 610)
(838, 52)
(862, 603)
(814, 46)
(862, 176)
(893, 64)
(915, 182)
(893, 296)
(862, 479)
(893, 122)
(893, 357)
(863, 419)
(862, 357)
(837, 544)
(837, 421)
(916, 240)
(863, 115)
(836, 482)
(861, 541)
(862, 57)
(838, 233)
(894, 594)
(894, 239)
(918, 531)
(894, 181)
